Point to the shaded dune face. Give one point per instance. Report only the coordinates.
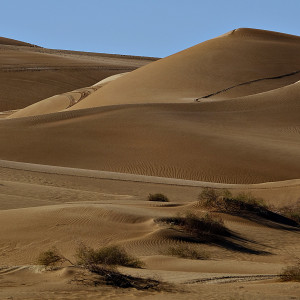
(243, 128)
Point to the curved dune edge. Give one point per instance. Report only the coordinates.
(195, 73)
(61, 102)
(139, 178)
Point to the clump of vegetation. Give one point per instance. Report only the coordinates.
(158, 197)
(102, 263)
(224, 200)
(113, 277)
(291, 273)
(106, 256)
(51, 258)
(197, 226)
(248, 205)
(187, 252)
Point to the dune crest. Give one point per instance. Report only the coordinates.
(246, 56)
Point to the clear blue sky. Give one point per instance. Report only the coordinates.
(139, 27)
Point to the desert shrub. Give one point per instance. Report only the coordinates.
(113, 277)
(197, 226)
(187, 252)
(291, 273)
(50, 258)
(108, 256)
(158, 197)
(208, 197)
(225, 201)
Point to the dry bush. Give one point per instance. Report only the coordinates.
(107, 256)
(197, 226)
(291, 273)
(102, 264)
(115, 278)
(51, 258)
(158, 197)
(187, 252)
(224, 200)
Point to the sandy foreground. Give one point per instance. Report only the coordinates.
(85, 137)
(41, 208)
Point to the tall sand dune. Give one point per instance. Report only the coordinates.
(242, 62)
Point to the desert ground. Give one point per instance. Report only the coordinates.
(86, 137)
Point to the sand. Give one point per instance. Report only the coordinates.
(78, 165)
(29, 74)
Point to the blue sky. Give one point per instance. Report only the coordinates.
(139, 27)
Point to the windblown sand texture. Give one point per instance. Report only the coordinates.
(85, 138)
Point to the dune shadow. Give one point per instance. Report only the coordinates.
(230, 241)
(269, 219)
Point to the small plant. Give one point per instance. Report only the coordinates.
(107, 256)
(187, 252)
(291, 273)
(113, 277)
(102, 263)
(158, 197)
(225, 201)
(208, 197)
(51, 258)
(197, 226)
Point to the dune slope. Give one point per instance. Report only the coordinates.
(30, 74)
(244, 61)
(245, 140)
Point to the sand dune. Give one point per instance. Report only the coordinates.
(31, 74)
(251, 62)
(236, 58)
(257, 138)
(64, 101)
(78, 166)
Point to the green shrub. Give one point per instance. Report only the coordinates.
(187, 252)
(109, 256)
(50, 258)
(291, 273)
(158, 197)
